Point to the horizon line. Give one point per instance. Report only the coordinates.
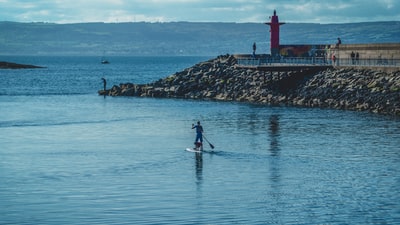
(194, 22)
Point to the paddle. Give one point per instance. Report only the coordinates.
(211, 145)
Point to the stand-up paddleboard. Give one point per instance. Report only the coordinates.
(198, 148)
(193, 150)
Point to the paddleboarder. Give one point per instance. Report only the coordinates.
(199, 133)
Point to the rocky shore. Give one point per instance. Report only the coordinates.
(10, 65)
(221, 79)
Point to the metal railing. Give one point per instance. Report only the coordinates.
(254, 61)
(378, 62)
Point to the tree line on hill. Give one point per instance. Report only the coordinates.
(178, 38)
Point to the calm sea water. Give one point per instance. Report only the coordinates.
(69, 156)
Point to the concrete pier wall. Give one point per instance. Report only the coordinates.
(380, 57)
(371, 51)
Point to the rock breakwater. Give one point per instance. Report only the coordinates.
(352, 89)
(222, 79)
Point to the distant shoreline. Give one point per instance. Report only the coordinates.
(179, 38)
(10, 65)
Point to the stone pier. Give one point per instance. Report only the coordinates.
(222, 79)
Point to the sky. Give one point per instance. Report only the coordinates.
(239, 11)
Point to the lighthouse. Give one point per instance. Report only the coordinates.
(274, 30)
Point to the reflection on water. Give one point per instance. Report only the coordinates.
(274, 134)
(274, 148)
(199, 167)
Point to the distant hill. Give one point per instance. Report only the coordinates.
(178, 38)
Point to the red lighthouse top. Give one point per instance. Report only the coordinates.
(274, 25)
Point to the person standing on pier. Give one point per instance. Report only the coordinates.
(104, 83)
(357, 57)
(353, 57)
(339, 42)
(254, 49)
(334, 59)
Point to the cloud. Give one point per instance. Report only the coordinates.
(61, 11)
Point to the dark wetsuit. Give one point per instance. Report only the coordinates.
(199, 133)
